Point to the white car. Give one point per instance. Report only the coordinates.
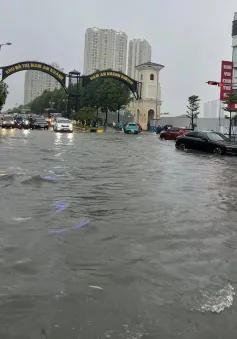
(62, 125)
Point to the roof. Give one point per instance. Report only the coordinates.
(150, 64)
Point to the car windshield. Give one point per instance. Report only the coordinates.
(132, 124)
(40, 120)
(215, 137)
(8, 118)
(63, 121)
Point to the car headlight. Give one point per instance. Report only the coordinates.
(4, 122)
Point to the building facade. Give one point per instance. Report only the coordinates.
(105, 49)
(148, 107)
(234, 51)
(139, 52)
(214, 109)
(36, 82)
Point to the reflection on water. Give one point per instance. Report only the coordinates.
(157, 258)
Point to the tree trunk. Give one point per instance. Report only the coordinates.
(118, 116)
(230, 125)
(106, 118)
(192, 123)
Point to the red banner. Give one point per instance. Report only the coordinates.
(226, 79)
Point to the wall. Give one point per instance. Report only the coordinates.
(202, 123)
(212, 109)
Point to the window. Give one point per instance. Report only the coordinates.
(152, 77)
(215, 136)
(192, 134)
(174, 129)
(201, 135)
(141, 77)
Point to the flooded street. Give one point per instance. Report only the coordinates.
(115, 236)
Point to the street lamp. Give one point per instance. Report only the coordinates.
(6, 44)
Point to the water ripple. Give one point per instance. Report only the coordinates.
(161, 241)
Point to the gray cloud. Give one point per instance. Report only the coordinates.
(189, 37)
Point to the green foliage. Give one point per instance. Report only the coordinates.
(85, 114)
(58, 97)
(231, 100)
(102, 94)
(193, 109)
(3, 94)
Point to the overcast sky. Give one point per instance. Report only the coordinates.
(189, 37)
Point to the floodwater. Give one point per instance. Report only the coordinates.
(115, 236)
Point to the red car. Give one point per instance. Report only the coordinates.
(173, 133)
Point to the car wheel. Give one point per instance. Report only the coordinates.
(219, 151)
(181, 146)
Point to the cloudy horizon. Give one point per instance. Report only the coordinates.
(189, 38)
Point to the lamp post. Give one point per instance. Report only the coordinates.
(6, 44)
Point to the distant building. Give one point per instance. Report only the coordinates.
(36, 82)
(213, 109)
(105, 49)
(139, 52)
(234, 51)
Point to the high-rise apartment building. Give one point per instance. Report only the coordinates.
(105, 49)
(234, 51)
(139, 53)
(36, 82)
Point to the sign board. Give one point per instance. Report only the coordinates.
(34, 65)
(226, 79)
(131, 83)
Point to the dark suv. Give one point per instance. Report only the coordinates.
(39, 123)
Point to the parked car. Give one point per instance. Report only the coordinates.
(39, 123)
(172, 133)
(131, 127)
(63, 125)
(206, 141)
(7, 121)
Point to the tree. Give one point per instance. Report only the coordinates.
(3, 94)
(231, 100)
(122, 97)
(193, 109)
(104, 94)
(85, 114)
(107, 95)
(57, 96)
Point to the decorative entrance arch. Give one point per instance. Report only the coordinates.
(133, 85)
(35, 66)
(74, 77)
